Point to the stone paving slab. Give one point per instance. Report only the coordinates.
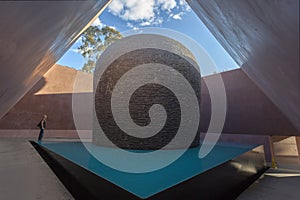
(24, 175)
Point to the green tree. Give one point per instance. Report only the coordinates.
(94, 42)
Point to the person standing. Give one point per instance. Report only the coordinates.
(42, 126)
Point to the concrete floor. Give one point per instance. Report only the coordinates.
(277, 184)
(24, 174)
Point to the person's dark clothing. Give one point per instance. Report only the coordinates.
(41, 135)
(42, 126)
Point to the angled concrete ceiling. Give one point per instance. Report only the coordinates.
(34, 35)
(263, 38)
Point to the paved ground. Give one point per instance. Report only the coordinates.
(277, 184)
(24, 175)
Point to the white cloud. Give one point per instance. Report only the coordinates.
(182, 2)
(147, 23)
(147, 12)
(159, 21)
(75, 50)
(184, 5)
(97, 22)
(116, 6)
(167, 4)
(133, 9)
(177, 16)
(130, 25)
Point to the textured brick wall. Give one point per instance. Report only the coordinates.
(143, 98)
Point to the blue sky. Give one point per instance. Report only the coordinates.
(135, 15)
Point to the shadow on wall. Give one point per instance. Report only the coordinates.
(24, 114)
(27, 113)
(30, 109)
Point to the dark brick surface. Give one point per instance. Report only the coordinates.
(143, 98)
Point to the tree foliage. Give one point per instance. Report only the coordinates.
(94, 42)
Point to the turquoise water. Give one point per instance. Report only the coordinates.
(145, 185)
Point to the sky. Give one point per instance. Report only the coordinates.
(135, 15)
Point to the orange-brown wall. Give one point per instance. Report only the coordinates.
(249, 110)
(52, 95)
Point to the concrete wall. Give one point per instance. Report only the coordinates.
(33, 36)
(251, 116)
(51, 95)
(249, 110)
(263, 38)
